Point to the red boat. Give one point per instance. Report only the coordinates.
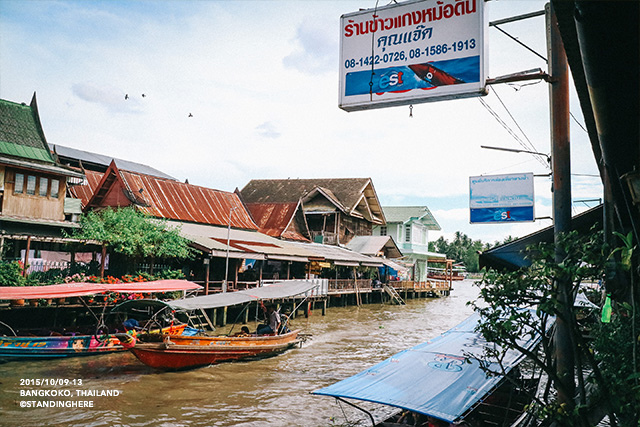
(184, 352)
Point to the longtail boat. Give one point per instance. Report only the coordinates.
(51, 344)
(185, 352)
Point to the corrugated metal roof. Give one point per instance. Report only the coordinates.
(40, 166)
(88, 159)
(274, 219)
(255, 245)
(371, 245)
(242, 243)
(185, 202)
(163, 198)
(85, 191)
(406, 213)
(337, 253)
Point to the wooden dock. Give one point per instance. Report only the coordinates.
(339, 293)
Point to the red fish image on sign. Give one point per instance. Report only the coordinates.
(434, 75)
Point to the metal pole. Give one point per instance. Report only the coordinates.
(561, 168)
(226, 268)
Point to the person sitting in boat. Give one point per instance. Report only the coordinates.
(274, 322)
(131, 325)
(244, 332)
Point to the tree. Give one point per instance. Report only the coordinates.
(609, 362)
(132, 233)
(462, 249)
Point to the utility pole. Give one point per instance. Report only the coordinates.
(561, 169)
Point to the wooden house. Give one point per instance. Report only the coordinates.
(335, 210)
(33, 205)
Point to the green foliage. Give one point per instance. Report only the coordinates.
(614, 351)
(611, 358)
(129, 232)
(11, 274)
(169, 274)
(462, 249)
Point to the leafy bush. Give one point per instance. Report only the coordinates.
(11, 273)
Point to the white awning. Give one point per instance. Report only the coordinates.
(347, 263)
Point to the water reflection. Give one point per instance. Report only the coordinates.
(268, 392)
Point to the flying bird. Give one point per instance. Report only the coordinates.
(190, 115)
(143, 95)
(126, 96)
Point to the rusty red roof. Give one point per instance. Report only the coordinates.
(170, 199)
(85, 191)
(277, 219)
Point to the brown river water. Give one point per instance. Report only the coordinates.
(267, 392)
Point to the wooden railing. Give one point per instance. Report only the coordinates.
(341, 285)
(431, 285)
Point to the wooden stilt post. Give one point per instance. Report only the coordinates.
(102, 260)
(25, 264)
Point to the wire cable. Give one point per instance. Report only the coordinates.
(577, 122)
(531, 146)
(509, 130)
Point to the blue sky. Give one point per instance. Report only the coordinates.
(260, 79)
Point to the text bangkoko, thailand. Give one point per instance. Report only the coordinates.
(412, 52)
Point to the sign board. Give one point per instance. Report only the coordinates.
(412, 52)
(501, 198)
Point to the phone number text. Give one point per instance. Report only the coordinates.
(416, 53)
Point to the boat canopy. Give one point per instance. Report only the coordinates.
(78, 289)
(441, 378)
(274, 291)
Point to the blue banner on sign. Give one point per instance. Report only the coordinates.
(428, 75)
(521, 213)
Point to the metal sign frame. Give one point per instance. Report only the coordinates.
(501, 198)
(412, 52)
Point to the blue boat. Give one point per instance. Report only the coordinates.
(445, 381)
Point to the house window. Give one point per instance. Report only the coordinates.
(44, 186)
(407, 233)
(19, 184)
(31, 185)
(55, 188)
(383, 231)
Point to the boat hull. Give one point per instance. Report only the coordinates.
(55, 347)
(191, 352)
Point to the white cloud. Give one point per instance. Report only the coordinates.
(106, 96)
(268, 130)
(316, 51)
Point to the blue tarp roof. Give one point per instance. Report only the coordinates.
(441, 377)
